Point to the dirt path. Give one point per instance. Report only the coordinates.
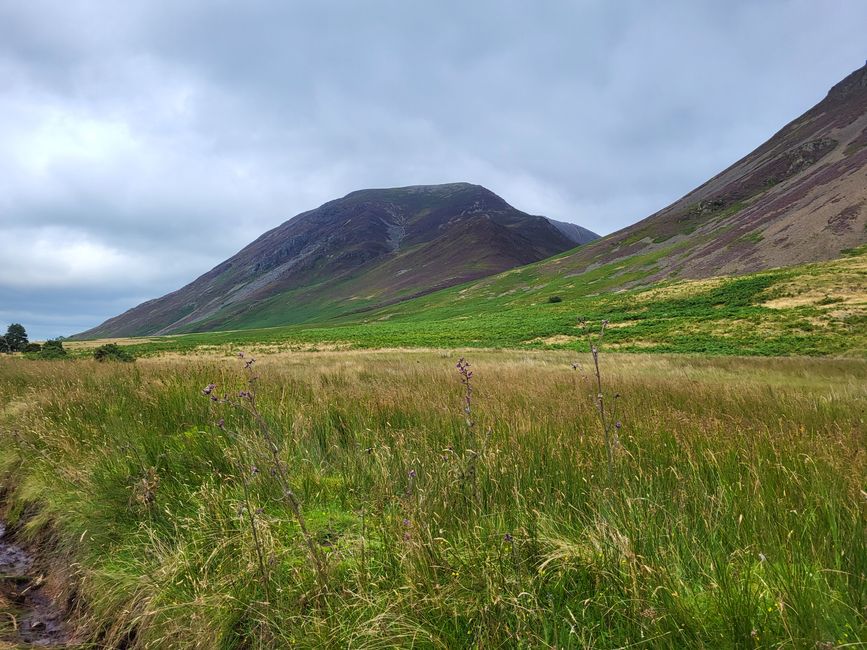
(28, 617)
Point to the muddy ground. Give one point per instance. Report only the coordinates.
(28, 616)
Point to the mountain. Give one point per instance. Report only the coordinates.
(369, 249)
(800, 197)
(767, 257)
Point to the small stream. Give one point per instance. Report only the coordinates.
(28, 616)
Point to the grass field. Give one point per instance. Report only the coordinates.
(816, 309)
(733, 515)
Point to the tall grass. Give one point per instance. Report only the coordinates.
(736, 516)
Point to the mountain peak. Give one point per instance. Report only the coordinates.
(442, 189)
(853, 84)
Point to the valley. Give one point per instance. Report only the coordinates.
(420, 417)
(816, 309)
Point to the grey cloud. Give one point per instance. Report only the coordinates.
(165, 136)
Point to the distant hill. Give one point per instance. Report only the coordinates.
(369, 249)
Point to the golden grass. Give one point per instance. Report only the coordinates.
(720, 459)
(843, 280)
(557, 339)
(682, 289)
(95, 343)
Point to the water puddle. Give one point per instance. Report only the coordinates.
(28, 616)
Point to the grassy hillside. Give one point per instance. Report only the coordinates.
(815, 309)
(733, 515)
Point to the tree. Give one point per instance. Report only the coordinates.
(16, 337)
(4, 345)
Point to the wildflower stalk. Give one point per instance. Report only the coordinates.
(289, 495)
(247, 403)
(241, 467)
(471, 456)
(260, 556)
(608, 418)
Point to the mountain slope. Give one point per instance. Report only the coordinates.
(800, 197)
(370, 248)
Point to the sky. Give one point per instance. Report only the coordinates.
(142, 142)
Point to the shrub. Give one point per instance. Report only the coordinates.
(553, 299)
(112, 352)
(52, 350)
(32, 347)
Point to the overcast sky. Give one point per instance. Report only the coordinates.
(143, 142)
